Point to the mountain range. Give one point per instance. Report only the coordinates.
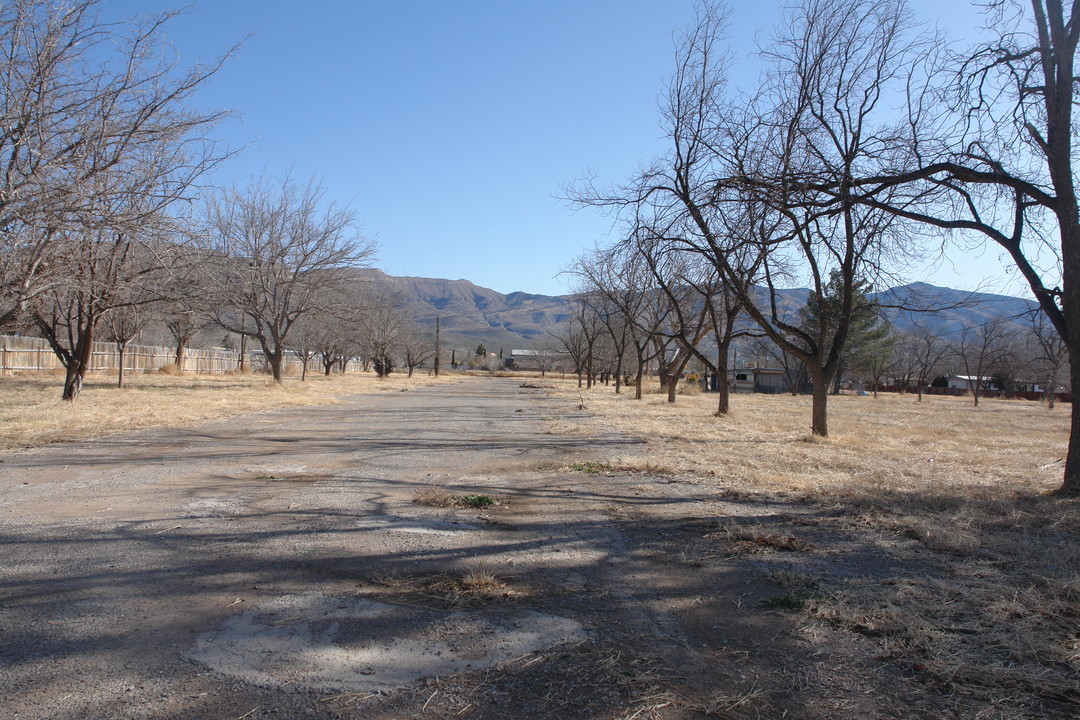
(471, 315)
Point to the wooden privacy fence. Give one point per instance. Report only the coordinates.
(28, 354)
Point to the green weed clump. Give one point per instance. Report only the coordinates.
(476, 501)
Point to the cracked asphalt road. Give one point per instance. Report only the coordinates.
(150, 575)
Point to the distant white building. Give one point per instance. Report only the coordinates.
(967, 382)
(529, 359)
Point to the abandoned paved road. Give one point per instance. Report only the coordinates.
(277, 566)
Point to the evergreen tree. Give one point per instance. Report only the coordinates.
(868, 334)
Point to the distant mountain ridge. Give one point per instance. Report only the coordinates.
(471, 315)
(954, 309)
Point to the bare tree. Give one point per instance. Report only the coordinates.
(185, 315)
(417, 347)
(689, 293)
(738, 176)
(795, 376)
(573, 344)
(833, 63)
(581, 335)
(593, 270)
(122, 325)
(92, 112)
(621, 276)
(279, 252)
(547, 353)
(108, 269)
(305, 340)
(992, 155)
(383, 327)
(97, 145)
(920, 352)
(981, 350)
(1050, 356)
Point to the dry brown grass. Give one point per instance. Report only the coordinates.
(984, 608)
(32, 414)
(893, 444)
(433, 495)
(478, 586)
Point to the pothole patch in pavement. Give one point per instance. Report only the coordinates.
(396, 523)
(213, 507)
(314, 641)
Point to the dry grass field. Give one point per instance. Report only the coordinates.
(887, 445)
(32, 413)
(972, 595)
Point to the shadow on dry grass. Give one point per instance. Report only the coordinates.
(979, 606)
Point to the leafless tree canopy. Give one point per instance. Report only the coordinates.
(815, 173)
(278, 251)
(97, 145)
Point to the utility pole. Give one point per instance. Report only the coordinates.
(438, 345)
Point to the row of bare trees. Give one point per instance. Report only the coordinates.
(106, 224)
(1005, 354)
(630, 315)
(866, 134)
(99, 152)
(641, 304)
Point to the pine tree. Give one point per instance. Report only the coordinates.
(868, 334)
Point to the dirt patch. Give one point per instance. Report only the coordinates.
(320, 642)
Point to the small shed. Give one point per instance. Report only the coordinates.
(751, 379)
(769, 380)
(742, 380)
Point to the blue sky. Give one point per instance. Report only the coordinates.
(452, 127)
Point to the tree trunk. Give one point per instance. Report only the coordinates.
(438, 343)
(180, 347)
(120, 348)
(78, 363)
(820, 416)
(1070, 485)
(73, 380)
(672, 387)
(724, 399)
(276, 361)
(303, 370)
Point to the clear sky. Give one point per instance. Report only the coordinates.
(452, 126)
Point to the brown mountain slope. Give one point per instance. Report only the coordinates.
(472, 315)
